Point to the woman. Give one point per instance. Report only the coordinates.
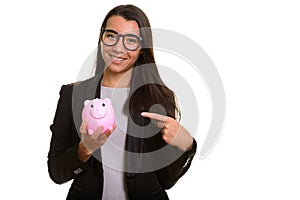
(137, 159)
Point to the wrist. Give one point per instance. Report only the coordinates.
(83, 153)
(189, 144)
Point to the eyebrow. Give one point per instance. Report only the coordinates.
(124, 32)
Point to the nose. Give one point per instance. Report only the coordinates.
(97, 108)
(119, 47)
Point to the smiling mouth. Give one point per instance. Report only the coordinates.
(118, 59)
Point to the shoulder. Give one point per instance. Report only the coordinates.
(68, 88)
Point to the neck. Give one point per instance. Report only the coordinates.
(116, 80)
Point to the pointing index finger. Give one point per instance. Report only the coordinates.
(154, 116)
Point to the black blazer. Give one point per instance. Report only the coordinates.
(64, 164)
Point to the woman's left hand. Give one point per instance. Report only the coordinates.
(172, 132)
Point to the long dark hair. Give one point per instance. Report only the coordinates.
(147, 87)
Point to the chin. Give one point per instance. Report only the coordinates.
(118, 69)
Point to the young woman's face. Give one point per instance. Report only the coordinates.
(117, 58)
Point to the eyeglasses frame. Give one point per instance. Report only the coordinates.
(120, 35)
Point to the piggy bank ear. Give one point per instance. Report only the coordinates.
(86, 102)
(107, 101)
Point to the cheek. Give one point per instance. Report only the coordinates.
(134, 55)
(103, 49)
(105, 56)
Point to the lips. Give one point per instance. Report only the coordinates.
(117, 60)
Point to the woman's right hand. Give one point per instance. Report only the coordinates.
(90, 143)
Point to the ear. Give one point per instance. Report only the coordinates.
(86, 102)
(107, 100)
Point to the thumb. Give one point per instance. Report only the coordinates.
(82, 128)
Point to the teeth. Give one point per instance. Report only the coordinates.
(117, 59)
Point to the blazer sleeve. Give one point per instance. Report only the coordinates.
(170, 174)
(63, 161)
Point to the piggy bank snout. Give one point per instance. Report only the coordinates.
(99, 110)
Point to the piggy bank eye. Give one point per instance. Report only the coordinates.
(92, 106)
(103, 104)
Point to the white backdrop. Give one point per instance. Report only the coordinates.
(255, 46)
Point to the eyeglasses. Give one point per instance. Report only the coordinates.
(130, 41)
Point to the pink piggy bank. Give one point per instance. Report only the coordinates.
(98, 112)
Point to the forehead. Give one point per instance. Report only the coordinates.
(121, 25)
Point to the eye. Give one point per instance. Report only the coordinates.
(103, 104)
(132, 40)
(111, 36)
(92, 106)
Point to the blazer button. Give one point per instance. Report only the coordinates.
(77, 171)
(187, 162)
